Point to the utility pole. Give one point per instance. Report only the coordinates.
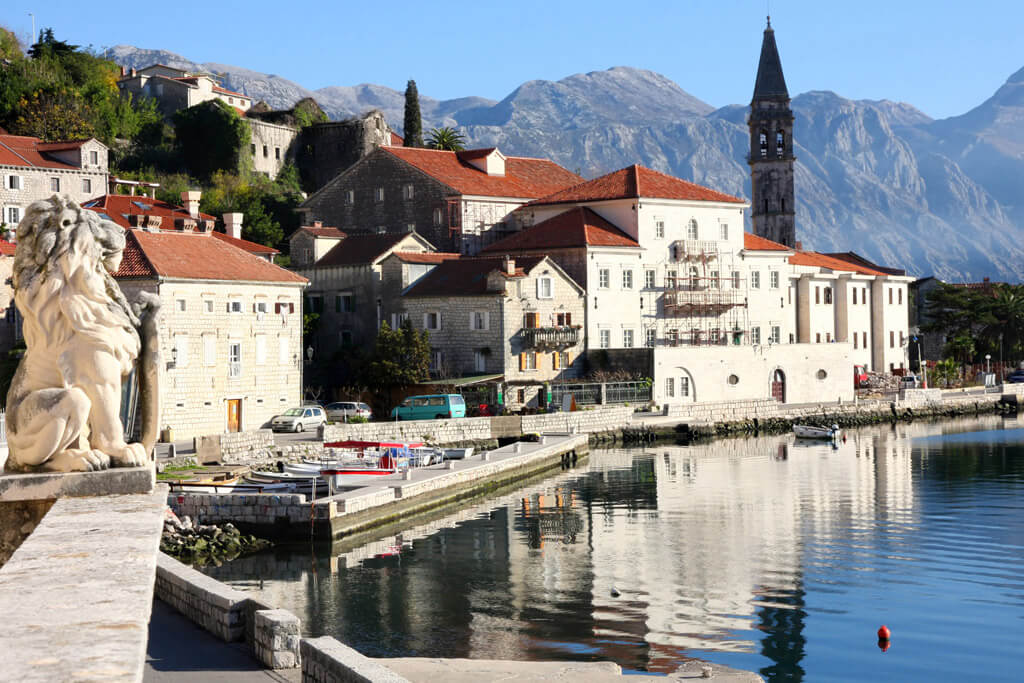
(34, 37)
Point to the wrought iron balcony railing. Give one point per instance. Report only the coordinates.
(540, 337)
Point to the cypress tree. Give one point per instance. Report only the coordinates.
(413, 132)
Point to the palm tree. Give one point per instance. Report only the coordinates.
(446, 138)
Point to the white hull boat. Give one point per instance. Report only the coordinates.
(812, 432)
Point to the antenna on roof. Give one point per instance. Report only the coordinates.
(768, 11)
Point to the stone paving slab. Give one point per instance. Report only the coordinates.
(51, 485)
(75, 598)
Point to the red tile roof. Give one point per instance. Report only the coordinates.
(635, 182)
(22, 150)
(117, 207)
(323, 231)
(396, 139)
(475, 153)
(578, 227)
(752, 242)
(251, 247)
(357, 250)
(424, 257)
(6, 248)
(524, 178)
(467, 276)
(196, 256)
(858, 260)
(60, 146)
(816, 260)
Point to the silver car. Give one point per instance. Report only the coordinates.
(341, 411)
(299, 419)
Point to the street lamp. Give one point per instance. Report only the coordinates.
(988, 363)
(309, 354)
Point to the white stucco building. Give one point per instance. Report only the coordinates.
(674, 285)
(175, 89)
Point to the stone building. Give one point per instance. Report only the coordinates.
(271, 146)
(459, 201)
(176, 89)
(231, 328)
(327, 149)
(348, 291)
(516, 318)
(31, 169)
(310, 243)
(773, 206)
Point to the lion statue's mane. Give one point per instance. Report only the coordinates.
(82, 339)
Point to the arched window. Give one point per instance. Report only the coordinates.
(780, 143)
(763, 138)
(691, 229)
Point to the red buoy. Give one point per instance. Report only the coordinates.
(883, 633)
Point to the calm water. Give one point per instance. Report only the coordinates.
(759, 554)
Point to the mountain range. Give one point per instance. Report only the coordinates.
(881, 178)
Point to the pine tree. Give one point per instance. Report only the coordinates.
(413, 132)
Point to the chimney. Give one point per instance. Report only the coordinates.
(233, 225)
(510, 266)
(190, 200)
(318, 224)
(131, 72)
(124, 72)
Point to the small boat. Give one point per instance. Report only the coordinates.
(457, 453)
(812, 432)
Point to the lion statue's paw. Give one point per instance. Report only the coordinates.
(132, 455)
(77, 460)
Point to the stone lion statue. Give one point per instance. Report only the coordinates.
(82, 339)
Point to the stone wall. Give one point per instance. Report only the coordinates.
(245, 510)
(272, 146)
(328, 149)
(272, 634)
(480, 428)
(394, 213)
(325, 660)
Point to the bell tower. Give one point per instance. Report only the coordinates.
(773, 209)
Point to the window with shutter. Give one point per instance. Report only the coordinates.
(522, 362)
(554, 361)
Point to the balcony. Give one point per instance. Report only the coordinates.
(550, 337)
(697, 300)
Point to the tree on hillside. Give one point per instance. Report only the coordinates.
(211, 137)
(48, 46)
(446, 138)
(52, 114)
(413, 126)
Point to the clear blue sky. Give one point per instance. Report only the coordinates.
(943, 57)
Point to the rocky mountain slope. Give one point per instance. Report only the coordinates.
(877, 177)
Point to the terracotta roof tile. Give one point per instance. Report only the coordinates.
(251, 247)
(524, 178)
(635, 182)
(752, 242)
(323, 231)
(396, 139)
(816, 260)
(117, 208)
(424, 256)
(357, 250)
(197, 256)
(6, 248)
(578, 227)
(22, 150)
(467, 276)
(858, 260)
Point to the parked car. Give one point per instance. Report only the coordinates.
(1016, 377)
(432, 407)
(299, 419)
(341, 411)
(909, 381)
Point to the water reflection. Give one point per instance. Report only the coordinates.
(760, 553)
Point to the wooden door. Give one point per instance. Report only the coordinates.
(779, 386)
(234, 414)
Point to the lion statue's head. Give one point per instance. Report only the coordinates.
(69, 254)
